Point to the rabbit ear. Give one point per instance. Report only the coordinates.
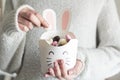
(50, 16)
(65, 20)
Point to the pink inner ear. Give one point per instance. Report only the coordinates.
(50, 19)
(65, 20)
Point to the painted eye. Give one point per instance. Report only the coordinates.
(65, 53)
(51, 52)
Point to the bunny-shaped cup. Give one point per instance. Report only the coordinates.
(49, 53)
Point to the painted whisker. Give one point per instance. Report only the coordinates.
(67, 63)
(49, 58)
(48, 61)
(49, 64)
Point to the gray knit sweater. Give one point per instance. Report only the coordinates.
(95, 24)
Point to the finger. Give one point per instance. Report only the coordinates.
(63, 69)
(29, 15)
(76, 68)
(43, 21)
(51, 71)
(23, 27)
(57, 70)
(25, 22)
(47, 74)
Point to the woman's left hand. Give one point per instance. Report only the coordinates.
(61, 73)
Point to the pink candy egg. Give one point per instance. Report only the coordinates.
(54, 43)
(68, 37)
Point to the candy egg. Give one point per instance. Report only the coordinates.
(56, 38)
(54, 43)
(68, 37)
(62, 42)
(49, 41)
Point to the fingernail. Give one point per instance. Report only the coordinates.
(26, 29)
(46, 75)
(37, 21)
(70, 72)
(31, 26)
(46, 24)
(61, 61)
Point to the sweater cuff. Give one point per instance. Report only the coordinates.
(81, 56)
(3, 73)
(10, 21)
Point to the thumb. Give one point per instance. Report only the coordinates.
(76, 69)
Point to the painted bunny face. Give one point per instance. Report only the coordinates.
(64, 54)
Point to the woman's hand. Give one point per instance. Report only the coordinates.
(61, 73)
(27, 18)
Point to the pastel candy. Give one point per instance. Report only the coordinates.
(57, 41)
(56, 38)
(54, 43)
(68, 37)
(62, 42)
(49, 41)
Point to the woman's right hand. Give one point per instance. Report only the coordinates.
(28, 17)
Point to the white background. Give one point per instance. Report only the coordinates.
(117, 77)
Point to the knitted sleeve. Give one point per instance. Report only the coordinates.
(11, 39)
(103, 61)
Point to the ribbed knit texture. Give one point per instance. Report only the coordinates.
(95, 24)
